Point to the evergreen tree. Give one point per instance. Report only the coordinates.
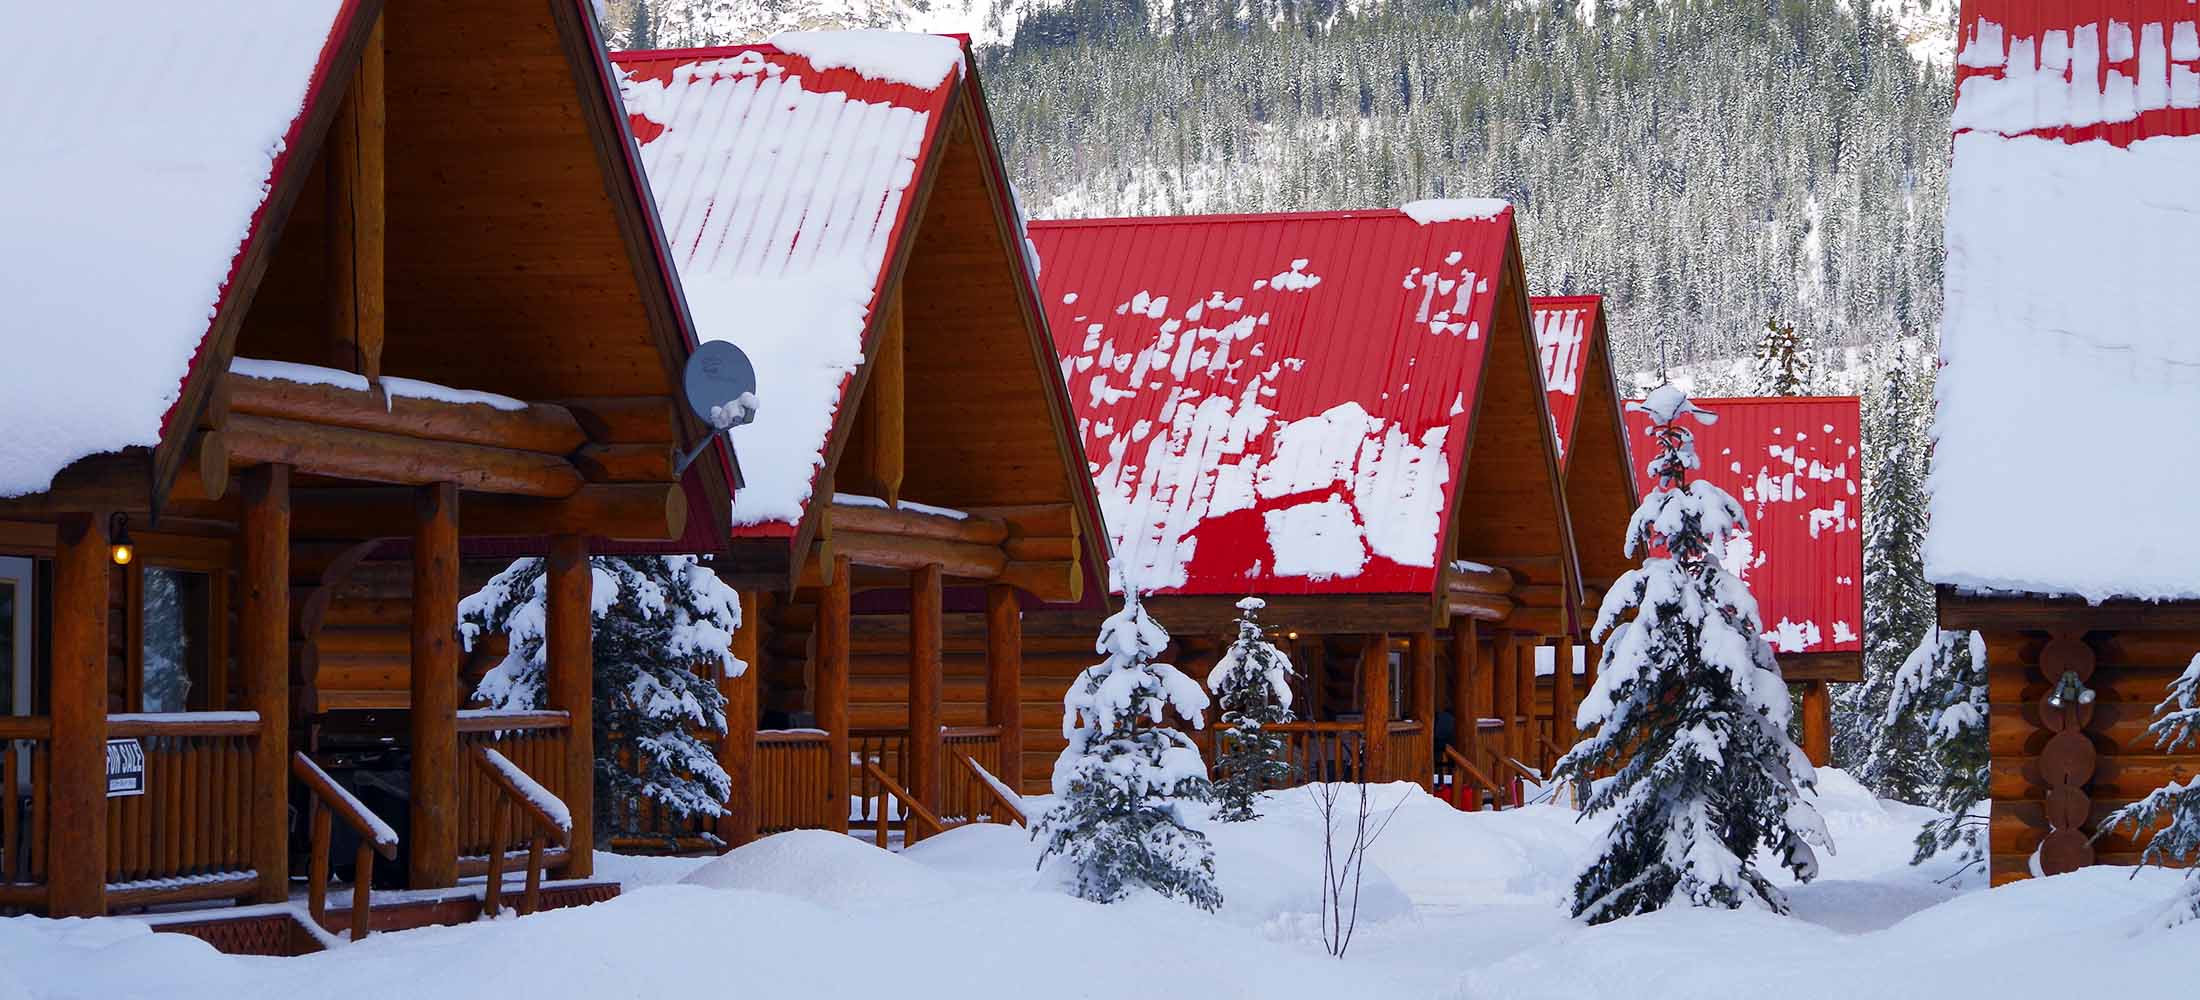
(1690, 711)
(657, 619)
(1783, 360)
(1888, 752)
(1122, 781)
(640, 33)
(2177, 804)
(1253, 685)
(1941, 688)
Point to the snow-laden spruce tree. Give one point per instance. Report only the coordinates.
(1941, 691)
(2176, 725)
(1122, 782)
(1689, 710)
(1252, 684)
(1889, 752)
(1784, 360)
(657, 619)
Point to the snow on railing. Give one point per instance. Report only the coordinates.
(545, 802)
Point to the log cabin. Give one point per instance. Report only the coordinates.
(394, 292)
(1587, 425)
(916, 492)
(2062, 528)
(1793, 463)
(1342, 413)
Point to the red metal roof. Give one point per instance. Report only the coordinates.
(1565, 331)
(2133, 64)
(768, 170)
(1274, 404)
(1792, 462)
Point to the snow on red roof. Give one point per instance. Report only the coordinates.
(139, 170)
(2068, 328)
(1274, 404)
(1793, 463)
(1565, 332)
(785, 192)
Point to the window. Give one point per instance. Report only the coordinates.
(174, 647)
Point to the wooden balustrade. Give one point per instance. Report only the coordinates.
(535, 741)
(1409, 757)
(965, 796)
(997, 806)
(793, 780)
(23, 789)
(1323, 751)
(329, 799)
(1464, 784)
(918, 819)
(189, 836)
(541, 812)
(887, 748)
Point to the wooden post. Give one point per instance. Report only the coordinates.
(1004, 678)
(263, 658)
(831, 696)
(357, 219)
(926, 677)
(1504, 696)
(1817, 723)
(433, 844)
(1530, 748)
(737, 750)
(1466, 716)
(1375, 706)
(1423, 646)
(881, 462)
(1562, 695)
(569, 648)
(76, 805)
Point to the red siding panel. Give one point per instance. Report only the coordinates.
(1793, 464)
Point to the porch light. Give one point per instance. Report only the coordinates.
(1291, 635)
(118, 539)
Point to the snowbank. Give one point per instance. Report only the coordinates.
(816, 866)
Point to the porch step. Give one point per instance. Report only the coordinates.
(280, 930)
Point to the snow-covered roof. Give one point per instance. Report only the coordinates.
(1793, 463)
(1565, 333)
(139, 166)
(2071, 364)
(784, 184)
(1275, 404)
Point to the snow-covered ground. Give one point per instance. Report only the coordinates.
(1463, 905)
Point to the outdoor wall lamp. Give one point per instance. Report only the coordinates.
(118, 539)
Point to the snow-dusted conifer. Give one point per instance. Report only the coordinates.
(657, 618)
(1783, 360)
(1889, 752)
(1690, 710)
(1252, 683)
(2176, 725)
(1121, 783)
(1941, 690)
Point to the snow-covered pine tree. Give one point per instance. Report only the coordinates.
(1783, 360)
(1690, 711)
(1252, 683)
(657, 618)
(1887, 752)
(1122, 782)
(1941, 690)
(2176, 725)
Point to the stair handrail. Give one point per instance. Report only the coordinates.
(549, 816)
(1462, 767)
(912, 811)
(375, 837)
(1001, 805)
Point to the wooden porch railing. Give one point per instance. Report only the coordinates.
(887, 748)
(535, 743)
(1463, 783)
(542, 814)
(1410, 756)
(23, 787)
(375, 837)
(997, 807)
(1322, 751)
(920, 820)
(966, 796)
(189, 836)
(792, 767)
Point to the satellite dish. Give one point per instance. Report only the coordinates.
(720, 386)
(718, 378)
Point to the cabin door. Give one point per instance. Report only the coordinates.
(17, 606)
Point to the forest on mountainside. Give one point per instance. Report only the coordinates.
(1703, 164)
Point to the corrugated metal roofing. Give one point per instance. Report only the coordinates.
(1565, 332)
(1274, 404)
(1793, 463)
(2121, 70)
(785, 193)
